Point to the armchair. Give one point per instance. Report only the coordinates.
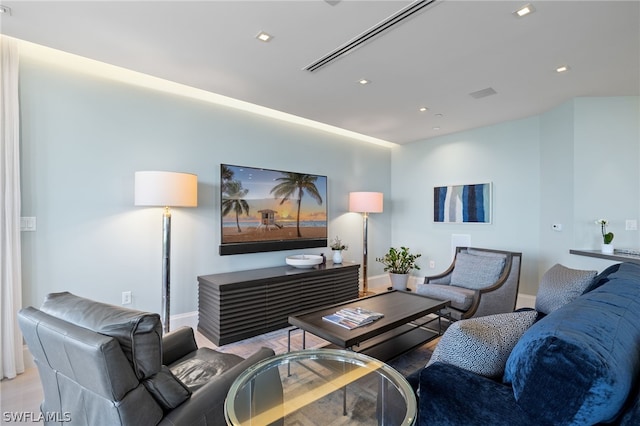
(105, 365)
(478, 282)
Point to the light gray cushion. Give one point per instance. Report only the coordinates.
(482, 345)
(561, 285)
(476, 272)
(461, 298)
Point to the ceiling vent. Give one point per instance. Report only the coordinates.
(483, 93)
(369, 34)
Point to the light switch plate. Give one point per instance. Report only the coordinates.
(28, 224)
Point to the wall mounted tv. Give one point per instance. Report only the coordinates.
(269, 210)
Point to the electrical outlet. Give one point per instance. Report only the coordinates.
(432, 264)
(126, 297)
(631, 225)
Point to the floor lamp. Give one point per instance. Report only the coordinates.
(166, 189)
(365, 203)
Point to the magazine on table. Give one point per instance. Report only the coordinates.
(353, 317)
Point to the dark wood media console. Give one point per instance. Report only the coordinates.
(237, 305)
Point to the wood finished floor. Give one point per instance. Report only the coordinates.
(23, 394)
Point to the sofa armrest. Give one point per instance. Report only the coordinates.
(177, 344)
(206, 405)
(449, 395)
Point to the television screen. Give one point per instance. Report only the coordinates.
(268, 210)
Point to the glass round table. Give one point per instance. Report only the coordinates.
(320, 387)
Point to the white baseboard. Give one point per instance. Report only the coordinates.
(188, 319)
(525, 301)
(28, 359)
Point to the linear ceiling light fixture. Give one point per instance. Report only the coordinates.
(369, 34)
(525, 10)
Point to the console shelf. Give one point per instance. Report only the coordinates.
(616, 256)
(234, 306)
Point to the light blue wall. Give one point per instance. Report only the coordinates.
(507, 155)
(82, 140)
(572, 165)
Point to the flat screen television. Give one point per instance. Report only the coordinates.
(269, 210)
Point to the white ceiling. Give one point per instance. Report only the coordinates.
(435, 59)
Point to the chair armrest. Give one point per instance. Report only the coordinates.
(177, 344)
(443, 278)
(206, 405)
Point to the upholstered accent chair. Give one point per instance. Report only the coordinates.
(105, 365)
(478, 282)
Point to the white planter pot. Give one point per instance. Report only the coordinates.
(337, 256)
(399, 281)
(607, 249)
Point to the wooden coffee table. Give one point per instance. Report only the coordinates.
(409, 320)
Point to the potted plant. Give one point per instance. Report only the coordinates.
(607, 237)
(338, 246)
(399, 262)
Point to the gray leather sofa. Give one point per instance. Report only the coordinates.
(105, 365)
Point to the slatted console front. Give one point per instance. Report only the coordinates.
(234, 306)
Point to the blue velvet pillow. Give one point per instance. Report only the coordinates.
(578, 364)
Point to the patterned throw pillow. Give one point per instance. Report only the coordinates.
(476, 272)
(482, 345)
(560, 285)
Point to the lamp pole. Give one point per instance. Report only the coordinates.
(166, 189)
(166, 268)
(365, 203)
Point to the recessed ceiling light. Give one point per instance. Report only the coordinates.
(439, 115)
(262, 36)
(424, 109)
(363, 81)
(563, 68)
(436, 128)
(5, 10)
(525, 10)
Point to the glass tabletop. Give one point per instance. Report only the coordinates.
(320, 387)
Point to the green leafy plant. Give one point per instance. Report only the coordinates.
(607, 237)
(399, 261)
(337, 244)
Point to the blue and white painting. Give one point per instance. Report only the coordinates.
(462, 203)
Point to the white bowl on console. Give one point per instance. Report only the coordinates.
(304, 261)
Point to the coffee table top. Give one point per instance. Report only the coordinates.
(398, 307)
(320, 387)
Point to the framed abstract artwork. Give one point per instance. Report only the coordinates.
(462, 203)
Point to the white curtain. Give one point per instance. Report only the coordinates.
(11, 361)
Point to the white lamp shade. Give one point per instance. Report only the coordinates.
(166, 189)
(365, 202)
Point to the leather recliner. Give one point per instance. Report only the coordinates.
(101, 364)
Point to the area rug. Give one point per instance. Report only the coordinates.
(361, 405)
(406, 364)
